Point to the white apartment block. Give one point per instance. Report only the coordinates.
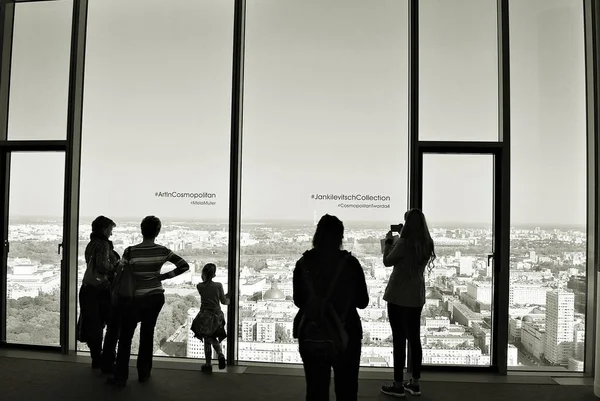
(533, 337)
(469, 357)
(559, 326)
(437, 322)
(527, 294)
(288, 353)
(378, 331)
(482, 292)
(448, 340)
(265, 332)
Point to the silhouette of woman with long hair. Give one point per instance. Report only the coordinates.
(94, 296)
(327, 269)
(410, 254)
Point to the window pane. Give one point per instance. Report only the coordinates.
(39, 81)
(325, 114)
(35, 229)
(156, 139)
(456, 322)
(548, 239)
(458, 70)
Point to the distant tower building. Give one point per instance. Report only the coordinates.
(195, 347)
(560, 311)
(533, 256)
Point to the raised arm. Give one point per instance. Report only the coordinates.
(393, 252)
(181, 266)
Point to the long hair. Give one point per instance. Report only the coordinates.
(329, 234)
(417, 238)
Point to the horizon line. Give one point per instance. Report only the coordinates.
(440, 224)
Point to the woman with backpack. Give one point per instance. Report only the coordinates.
(410, 254)
(329, 284)
(94, 296)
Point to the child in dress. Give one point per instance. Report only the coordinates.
(209, 324)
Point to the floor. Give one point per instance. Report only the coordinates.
(34, 376)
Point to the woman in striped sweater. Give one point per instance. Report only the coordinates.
(146, 260)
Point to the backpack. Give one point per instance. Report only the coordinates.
(92, 277)
(321, 332)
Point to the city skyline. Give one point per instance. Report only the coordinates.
(85, 220)
(456, 322)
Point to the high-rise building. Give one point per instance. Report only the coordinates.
(560, 314)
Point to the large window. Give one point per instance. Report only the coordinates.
(325, 130)
(37, 110)
(156, 139)
(325, 117)
(458, 204)
(458, 101)
(35, 227)
(548, 236)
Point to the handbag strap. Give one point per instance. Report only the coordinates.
(92, 257)
(336, 275)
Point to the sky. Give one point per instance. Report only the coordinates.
(325, 108)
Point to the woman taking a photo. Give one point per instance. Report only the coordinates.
(410, 254)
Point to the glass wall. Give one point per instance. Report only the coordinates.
(156, 136)
(325, 131)
(38, 110)
(456, 326)
(458, 70)
(548, 202)
(35, 230)
(39, 76)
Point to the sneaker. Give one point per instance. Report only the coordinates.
(222, 363)
(206, 369)
(394, 391)
(412, 389)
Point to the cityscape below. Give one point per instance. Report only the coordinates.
(547, 291)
